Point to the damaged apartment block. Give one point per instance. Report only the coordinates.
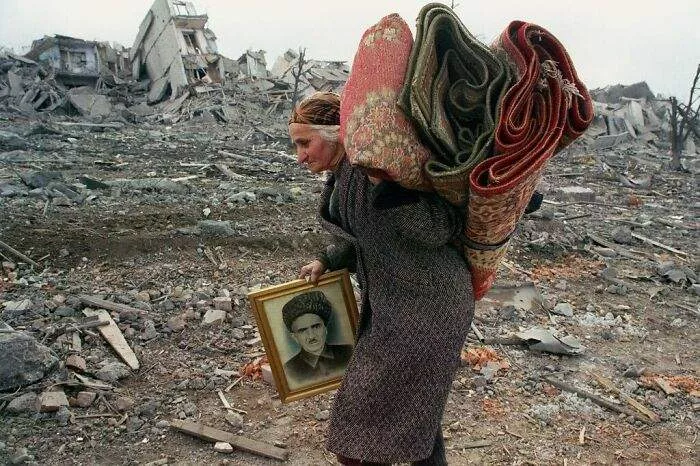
(77, 62)
(175, 49)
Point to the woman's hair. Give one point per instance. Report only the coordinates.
(320, 108)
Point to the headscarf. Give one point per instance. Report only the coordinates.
(320, 108)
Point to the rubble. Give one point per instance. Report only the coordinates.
(24, 360)
(164, 215)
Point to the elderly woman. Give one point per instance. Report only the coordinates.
(417, 300)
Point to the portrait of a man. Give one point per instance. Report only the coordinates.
(306, 317)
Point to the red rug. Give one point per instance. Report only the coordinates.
(376, 134)
(546, 109)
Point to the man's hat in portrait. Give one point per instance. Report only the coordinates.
(313, 302)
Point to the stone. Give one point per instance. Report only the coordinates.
(176, 324)
(213, 316)
(189, 408)
(22, 404)
(149, 330)
(235, 419)
(24, 360)
(163, 424)
(143, 296)
(85, 399)
(148, 409)
(21, 456)
(63, 415)
(222, 304)
(49, 402)
(323, 415)
(113, 371)
(267, 374)
(223, 447)
(575, 194)
(238, 334)
(15, 309)
(242, 197)
(65, 311)
(622, 235)
(11, 141)
(563, 309)
(124, 403)
(76, 362)
(215, 228)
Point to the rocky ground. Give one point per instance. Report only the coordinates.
(167, 218)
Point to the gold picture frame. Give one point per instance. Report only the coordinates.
(328, 331)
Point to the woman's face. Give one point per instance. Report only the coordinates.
(312, 150)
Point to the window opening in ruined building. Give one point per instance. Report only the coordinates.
(181, 8)
(191, 42)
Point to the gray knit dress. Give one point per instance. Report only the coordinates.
(417, 304)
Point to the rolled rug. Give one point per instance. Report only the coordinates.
(545, 110)
(377, 135)
(452, 91)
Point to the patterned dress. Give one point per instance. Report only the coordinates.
(417, 304)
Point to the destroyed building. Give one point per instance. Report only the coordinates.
(78, 62)
(316, 75)
(75, 62)
(175, 49)
(253, 64)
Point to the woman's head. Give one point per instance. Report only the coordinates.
(313, 128)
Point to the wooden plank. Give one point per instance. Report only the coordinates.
(211, 434)
(597, 400)
(110, 305)
(114, 337)
(609, 385)
(659, 245)
(18, 254)
(618, 249)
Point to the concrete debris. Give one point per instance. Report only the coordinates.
(24, 360)
(51, 401)
(112, 372)
(23, 404)
(213, 317)
(168, 196)
(223, 447)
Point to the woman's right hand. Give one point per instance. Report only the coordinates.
(312, 271)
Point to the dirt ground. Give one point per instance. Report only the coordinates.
(634, 321)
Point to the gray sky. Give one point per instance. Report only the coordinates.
(610, 42)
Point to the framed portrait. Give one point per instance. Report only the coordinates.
(308, 332)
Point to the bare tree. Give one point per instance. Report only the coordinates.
(684, 120)
(296, 73)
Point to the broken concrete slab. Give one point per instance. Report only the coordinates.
(24, 360)
(92, 105)
(575, 194)
(213, 316)
(610, 141)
